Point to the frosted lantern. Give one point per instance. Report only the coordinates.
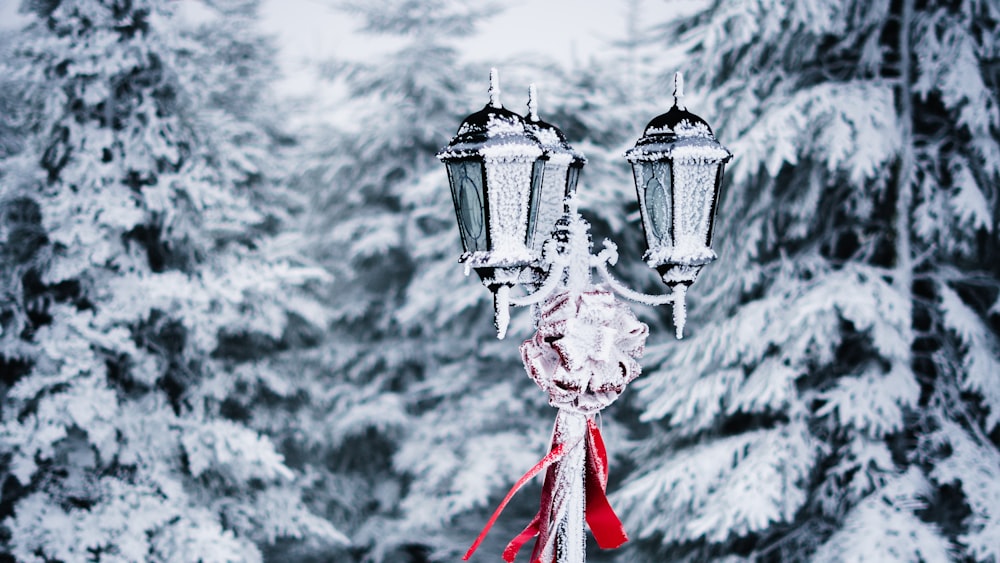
(491, 163)
(554, 177)
(678, 167)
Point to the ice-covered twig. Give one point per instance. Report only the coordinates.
(631, 294)
(495, 88)
(501, 310)
(679, 90)
(532, 102)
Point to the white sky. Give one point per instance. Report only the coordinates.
(562, 29)
(8, 13)
(568, 31)
(565, 30)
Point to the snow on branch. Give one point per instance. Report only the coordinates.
(848, 126)
(740, 484)
(981, 354)
(977, 468)
(883, 527)
(794, 317)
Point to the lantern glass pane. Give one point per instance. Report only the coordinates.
(694, 191)
(466, 178)
(571, 179)
(535, 203)
(654, 185)
(715, 205)
(550, 204)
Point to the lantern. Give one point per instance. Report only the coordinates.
(678, 165)
(553, 177)
(491, 162)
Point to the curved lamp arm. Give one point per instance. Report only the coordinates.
(609, 256)
(552, 278)
(559, 267)
(503, 301)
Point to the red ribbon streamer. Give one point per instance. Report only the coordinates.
(601, 518)
(553, 456)
(604, 523)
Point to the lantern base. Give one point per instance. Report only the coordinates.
(501, 310)
(499, 280)
(680, 255)
(680, 309)
(679, 277)
(675, 274)
(497, 259)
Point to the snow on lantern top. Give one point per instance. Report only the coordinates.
(551, 138)
(678, 134)
(492, 133)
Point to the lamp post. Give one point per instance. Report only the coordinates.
(513, 181)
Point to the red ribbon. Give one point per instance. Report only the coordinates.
(603, 522)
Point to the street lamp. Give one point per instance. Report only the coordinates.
(678, 164)
(513, 182)
(509, 178)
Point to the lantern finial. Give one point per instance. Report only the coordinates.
(678, 89)
(532, 102)
(495, 88)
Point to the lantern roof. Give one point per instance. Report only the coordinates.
(678, 134)
(554, 143)
(678, 121)
(493, 132)
(551, 138)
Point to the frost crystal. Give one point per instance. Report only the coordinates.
(509, 183)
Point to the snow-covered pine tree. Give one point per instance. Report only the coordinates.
(13, 111)
(143, 295)
(425, 417)
(843, 404)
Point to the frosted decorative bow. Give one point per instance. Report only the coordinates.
(584, 351)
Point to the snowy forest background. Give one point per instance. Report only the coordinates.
(233, 328)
